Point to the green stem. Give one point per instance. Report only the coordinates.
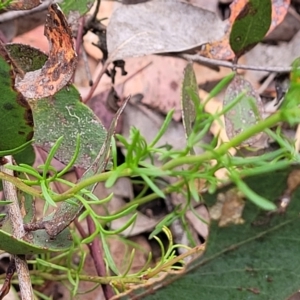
(21, 185)
(206, 156)
(87, 182)
(176, 162)
(223, 149)
(96, 279)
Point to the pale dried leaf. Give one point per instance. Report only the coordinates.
(198, 224)
(159, 83)
(281, 55)
(149, 122)
(160, 26)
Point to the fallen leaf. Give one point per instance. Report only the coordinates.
(250, 26)
(228, 208)
(22, 4)
(239, 260)
(281, 55)
(149, 122)
(246, 112)
(160, 26)
(194, 218)
(159, 83)
(189, 92)
(121, 251)
(16, 122)
(220, 49)
(61, 63)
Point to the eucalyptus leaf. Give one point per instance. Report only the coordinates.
(67, 212)
(246, 112)
(258, 259)
(16, 123)
(250, 26)
(62, 115)
(189, 86)
(35, 242)
(160, 26)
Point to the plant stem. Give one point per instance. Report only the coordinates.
(102, 280)
(192, 159)
(98, 257)
(227, 64)
(223, 149)
(18, 231)
(19, 184)
(176, 162)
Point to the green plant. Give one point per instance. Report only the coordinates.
(183, 166)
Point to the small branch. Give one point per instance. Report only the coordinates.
(97, 79)
(7, 282)
(227, 64)
(94, 17)
(15, 216)
(20, 184)
(98, 257)
(96, 252)
(14, 212)
(24, 278)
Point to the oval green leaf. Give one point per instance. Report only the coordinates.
(250, 26)
(246, 111)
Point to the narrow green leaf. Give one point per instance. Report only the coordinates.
(254, 197)
(5, 202)
(163, 128)
(153, 186)
(46, 194)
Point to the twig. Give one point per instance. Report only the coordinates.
(18, 231)
(98, 254)
(97, 80)
(94, 17)
(24, 278)
(86, 66)
(79, 39)
(266, 83)
(227, 64)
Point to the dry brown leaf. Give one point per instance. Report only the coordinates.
(160, 83)
(61, 64)
(228, 208)
(23, 4)
(121, 253)
(281, 55)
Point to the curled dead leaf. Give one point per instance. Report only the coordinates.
(61, 63)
